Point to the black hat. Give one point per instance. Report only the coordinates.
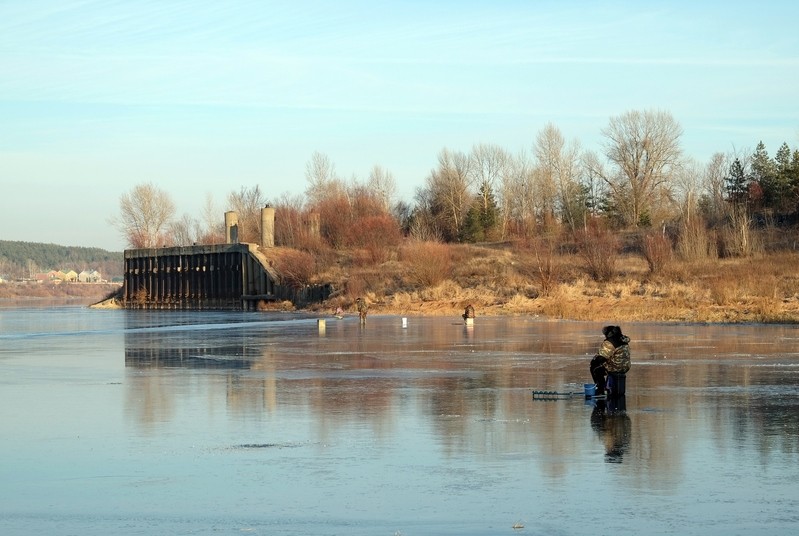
(611, 332)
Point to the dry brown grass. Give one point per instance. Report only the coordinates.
(499, 280)
(428, 263)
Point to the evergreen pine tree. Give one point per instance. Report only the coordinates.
(783, 201)
(471, 230)
(481, 218)
(737, 184)
(488, 210)
(793, 181)
(763, 173)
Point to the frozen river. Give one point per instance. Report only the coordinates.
(127, 422)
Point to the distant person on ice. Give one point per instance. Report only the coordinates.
(611, 363)
(469, 312)
(362, 309)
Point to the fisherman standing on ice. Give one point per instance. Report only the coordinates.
(362, 309)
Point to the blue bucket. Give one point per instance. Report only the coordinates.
(590, 389)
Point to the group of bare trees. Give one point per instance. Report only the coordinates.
(559, 184)
(640, 178)
(333, 212)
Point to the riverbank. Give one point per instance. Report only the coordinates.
(574, 303)
(762, 289)
(507, 281)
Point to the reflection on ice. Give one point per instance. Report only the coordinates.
(352, 372)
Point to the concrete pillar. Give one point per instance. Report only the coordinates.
(231, 227)
(267, 227)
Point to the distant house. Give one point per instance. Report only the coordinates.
(70, 276)
(47, 277)
(89, 276)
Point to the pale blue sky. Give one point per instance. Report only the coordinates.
(206, 97)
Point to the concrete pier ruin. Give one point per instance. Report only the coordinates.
(231, 276)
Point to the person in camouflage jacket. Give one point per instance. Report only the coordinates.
(613, 357)
(468, 312)
(363, 309)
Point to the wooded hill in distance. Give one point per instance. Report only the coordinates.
(20, 260)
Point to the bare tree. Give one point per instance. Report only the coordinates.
(290, 227)
(33, 268)
(559, 165)
(644, 149)
(184, 231)
(547, 149)
(490, 164)
(9, 269)
(570, 190)
(320, 173)
(450, 196)
(145, 214)
(247, 203)
(402, 212)
(382, 184)
(422, 224)
(700, 188)
(518, 196)
(593, 182)
(212, 229)
(713, 186)
(365, 201)
(688, 184)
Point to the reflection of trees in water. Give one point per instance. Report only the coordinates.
(767, 420)
(462, 383)
(228, 357)
(742, 399)
(150, 398)
(701, 341)
(151, 395)
(454, 404)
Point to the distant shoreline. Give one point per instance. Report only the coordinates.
(30, 303)
(48, 295)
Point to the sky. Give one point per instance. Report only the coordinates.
(203, 98)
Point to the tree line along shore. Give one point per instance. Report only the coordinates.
(634, 231)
